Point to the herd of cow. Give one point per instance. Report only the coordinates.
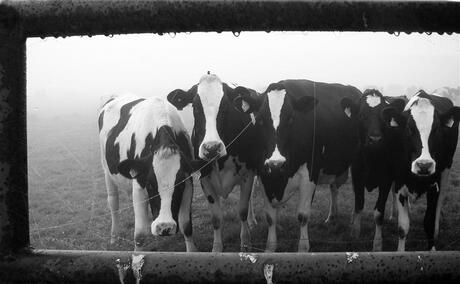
(292, 137)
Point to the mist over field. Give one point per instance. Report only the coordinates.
(66, 79)
(68, 76)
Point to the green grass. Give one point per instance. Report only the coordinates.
(68, 207)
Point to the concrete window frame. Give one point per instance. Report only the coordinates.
(20, 19)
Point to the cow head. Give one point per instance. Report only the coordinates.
(378, 119)
(211, 100)
(428, 133)
(280, 110)
(161, 173)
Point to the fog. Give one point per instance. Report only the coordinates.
(69, 76)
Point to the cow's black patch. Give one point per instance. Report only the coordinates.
(112, 153)
(402, 199)
(101, 120)
(401, 233)
(303, 219)
(215, 222)
(210, 199)
(274, 185)
(269, 219)
(237, 166)
(379, 220)
(188, 228)
(243, 212)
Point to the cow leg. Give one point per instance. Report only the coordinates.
(270, 216)
(185, 220)
(443, 186)
(243, 207)
(141, 218)
(379, 212)
(432, 198)
(332, 204)
(403, 218)
(358, 188)
(338, 181)
(216, 212)
(113, 202)
(306, 189)
(393, 205)
(252, 222)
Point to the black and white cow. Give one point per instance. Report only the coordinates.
(430, 142)
(146, 141)
(379, 161)
(227, 145)
(309, 140)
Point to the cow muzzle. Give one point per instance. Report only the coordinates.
(423, 167)
(374, 138)
(163, 228)
(212, 149)
(273, 166)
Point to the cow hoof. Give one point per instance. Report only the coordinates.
(377, 246)
(217, 247)
(191, 248)
(304, 247)
(244, 248)
(139, 248)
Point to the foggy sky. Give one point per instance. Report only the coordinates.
(71, 74)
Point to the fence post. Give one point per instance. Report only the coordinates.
(14, 216)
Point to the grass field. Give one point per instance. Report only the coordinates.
(68, 207)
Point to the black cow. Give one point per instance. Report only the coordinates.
(227, 143)
(379, 161)
(146, 141)
(309, 136)
(430, 142)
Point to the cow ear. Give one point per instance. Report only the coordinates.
(244, 100)
(393, 118)
(180, 98)
(348, 107)
(304, 104)
(451, 117)
(134, 168)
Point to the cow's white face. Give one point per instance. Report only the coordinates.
(210, 92)
(422, 112)
(166, 165)
(373, 100)
(275, 102)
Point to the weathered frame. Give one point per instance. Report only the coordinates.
(21, 19)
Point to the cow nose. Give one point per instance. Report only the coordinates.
(274, 165)
(163, 229)
(424, 167)
(375, 138)
(212, 149)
